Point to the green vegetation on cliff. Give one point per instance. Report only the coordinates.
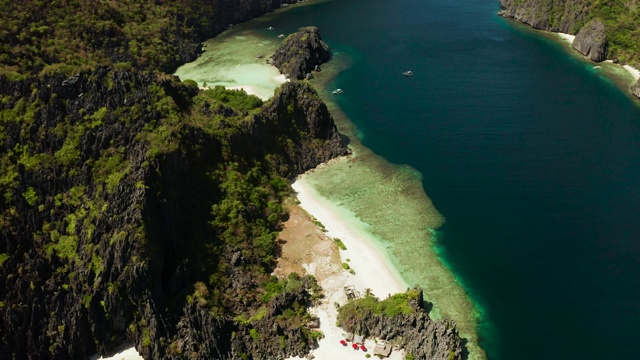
(62, 35)
(134, 206)
(392, 306)
(621, 20)
(622, 26)
(402, 320)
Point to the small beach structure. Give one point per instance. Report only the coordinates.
(382, 348)
(314, 323)
(358, 339)
(351, 292)
(348, 336)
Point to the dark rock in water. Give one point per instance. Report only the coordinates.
(301, 52)
(591, 41)
(556, 15)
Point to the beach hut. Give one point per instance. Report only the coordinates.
(351, 292)
(348, 336)
(382, 348)
(358, 339)
(314, 323)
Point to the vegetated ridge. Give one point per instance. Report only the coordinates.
(402, 320)
(135, 207)
(301, 52)
(603, 29)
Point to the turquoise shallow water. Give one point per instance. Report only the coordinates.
(530, 154)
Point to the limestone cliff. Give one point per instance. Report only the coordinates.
(635, 89)
(106, 225)
(136, 208)
(301, 52)
(403, 320)
(591, 41)
(295, 108)
(565, 16)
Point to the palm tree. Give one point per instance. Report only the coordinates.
(368, 292)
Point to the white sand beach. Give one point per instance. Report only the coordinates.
(249, 89)
(126, 352)
(236, 60)
(371, 268)
(254, 90)
(567, 37)
(633, 71)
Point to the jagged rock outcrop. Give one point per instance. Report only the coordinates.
(226, 12)
(54, 304)
(635, 89)
(296, 108)
(416, 333)
(204, 336)
(301, 52)
(99, 255)
(551, 15)
(591, 40)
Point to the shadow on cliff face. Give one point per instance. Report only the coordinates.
(177, 211)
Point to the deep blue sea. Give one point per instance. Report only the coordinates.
(533, 159)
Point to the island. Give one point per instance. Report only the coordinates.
(139, 209)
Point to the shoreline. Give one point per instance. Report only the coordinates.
(372, 270)
(367, 259)
(253, 89)
(441, 288)
(568, 38)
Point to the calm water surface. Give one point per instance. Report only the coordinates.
(530, 155)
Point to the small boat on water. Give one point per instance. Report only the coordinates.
(281, 36)
(408, 73)
(337, 91)
(597, 67)
(270, 28)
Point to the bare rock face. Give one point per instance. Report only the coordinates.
(635, 89)
(551, 15)
(296, 112)
(301, 52)
(591, 41)
(416, 332)
(119, 276)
